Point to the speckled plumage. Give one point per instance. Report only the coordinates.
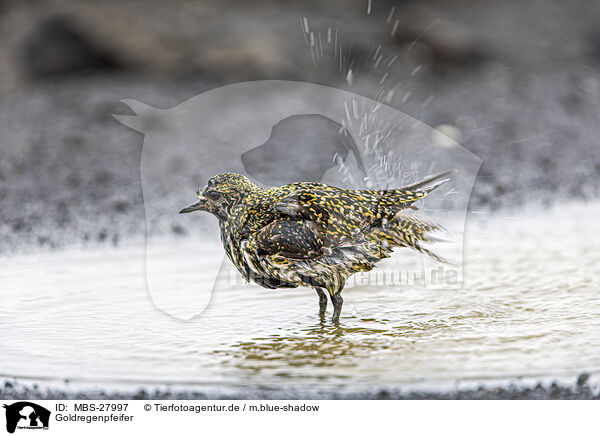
(310, 234)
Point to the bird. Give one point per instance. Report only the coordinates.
(313, 234)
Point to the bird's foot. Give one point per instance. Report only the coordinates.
(322, 301)
(337, 301)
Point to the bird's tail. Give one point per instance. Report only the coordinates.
(430, 183)
(412, 232)
(390, 201)
(406, 230)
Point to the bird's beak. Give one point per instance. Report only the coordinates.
(199, 205)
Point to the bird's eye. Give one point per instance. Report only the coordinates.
(213, 195)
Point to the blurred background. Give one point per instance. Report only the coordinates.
(516, 83)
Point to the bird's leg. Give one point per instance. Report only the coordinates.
(337, 300)
(322, 301)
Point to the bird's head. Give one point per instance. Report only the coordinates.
(221, 195)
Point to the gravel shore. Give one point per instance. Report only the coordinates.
(580, 389)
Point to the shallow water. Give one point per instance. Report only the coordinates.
(529, 306)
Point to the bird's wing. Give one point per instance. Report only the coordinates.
(299, 239)
(339, 217)
(312, 219)
(301, 228)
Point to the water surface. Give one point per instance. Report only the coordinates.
(529, 306)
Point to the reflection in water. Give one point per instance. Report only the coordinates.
(321, 345)
(327, 345)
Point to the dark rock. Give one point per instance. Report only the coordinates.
(383, 395)
(120, 206)
(583, 379)
(178, 230)
(140, 395)
(56, 46)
